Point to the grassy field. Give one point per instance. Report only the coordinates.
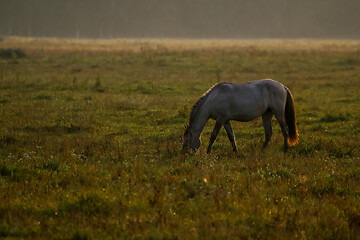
(91, 132)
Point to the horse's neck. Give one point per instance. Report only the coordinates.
(199, 123)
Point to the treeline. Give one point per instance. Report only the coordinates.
(181, 18)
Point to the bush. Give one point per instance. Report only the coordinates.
(10, 53)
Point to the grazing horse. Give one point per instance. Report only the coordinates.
(242, 102)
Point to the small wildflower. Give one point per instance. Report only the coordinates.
(205, 180)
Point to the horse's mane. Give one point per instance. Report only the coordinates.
(199, 103)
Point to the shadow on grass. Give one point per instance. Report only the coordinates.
(56, 129)
(313, 145)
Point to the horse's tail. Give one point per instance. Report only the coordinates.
(290, 118)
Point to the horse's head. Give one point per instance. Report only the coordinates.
(191, 142)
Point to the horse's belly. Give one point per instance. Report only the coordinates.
(245, 117)
(248, 112)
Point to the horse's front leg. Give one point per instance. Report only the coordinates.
(230, 135)
(214, 134)
(267, 127)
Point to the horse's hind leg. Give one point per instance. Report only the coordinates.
(266, 118)
(230, 135)
(281, 120)
(214, 134)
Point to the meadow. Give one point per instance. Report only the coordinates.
(91, 133)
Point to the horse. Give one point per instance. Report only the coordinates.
(242, 102)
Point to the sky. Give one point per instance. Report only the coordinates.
(181, 18)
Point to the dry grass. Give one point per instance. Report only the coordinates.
(137, 45)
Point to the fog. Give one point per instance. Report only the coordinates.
(181, 18)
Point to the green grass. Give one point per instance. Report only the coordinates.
(91, 132)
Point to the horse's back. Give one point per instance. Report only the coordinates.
(245, 101)
(269, 84)
(257, 84)
(251, 90)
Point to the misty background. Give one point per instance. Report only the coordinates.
(181, 18)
